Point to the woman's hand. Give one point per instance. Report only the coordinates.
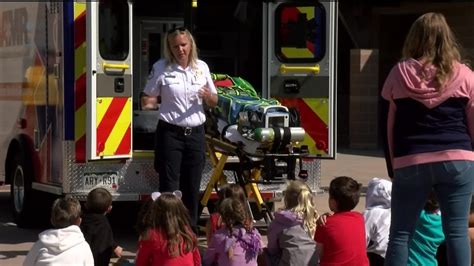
(209, 97)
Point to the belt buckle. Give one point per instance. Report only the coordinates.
(188, 131)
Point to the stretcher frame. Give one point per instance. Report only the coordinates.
(248, 171)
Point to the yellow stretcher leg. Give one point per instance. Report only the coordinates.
(248, 182)
(215, 178)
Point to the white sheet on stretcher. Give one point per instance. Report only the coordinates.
(233, 135)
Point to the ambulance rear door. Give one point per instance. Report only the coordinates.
(109, 79)
(299, 66)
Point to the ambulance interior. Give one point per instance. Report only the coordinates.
(228, 36)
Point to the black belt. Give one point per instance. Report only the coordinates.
(179, 129)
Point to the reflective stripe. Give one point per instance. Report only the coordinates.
(80, 81)
(113, 125)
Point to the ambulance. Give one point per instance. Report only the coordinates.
(72, 73)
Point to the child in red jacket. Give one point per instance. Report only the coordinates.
(170, 240)
(341, 240)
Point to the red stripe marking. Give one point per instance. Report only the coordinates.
(79, 101)
(80, 30)
(81, 149)
(124, 147)
(310, 121)
(108, 122)
(80, 92)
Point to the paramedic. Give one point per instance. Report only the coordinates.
(184, 84)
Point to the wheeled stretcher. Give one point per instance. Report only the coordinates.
(256, 139)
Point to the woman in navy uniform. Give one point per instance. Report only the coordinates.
(183, 82)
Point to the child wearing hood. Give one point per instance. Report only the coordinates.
(430, 132)
(290, 234)
(377, 219)
(237, 243)
(65, 244)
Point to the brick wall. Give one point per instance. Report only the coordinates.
(363, 98)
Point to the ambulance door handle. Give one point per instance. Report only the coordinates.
(313, 69)
(114, 68)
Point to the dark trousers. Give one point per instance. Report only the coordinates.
(375, 259)
(179, 161)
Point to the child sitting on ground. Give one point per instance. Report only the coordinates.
(290, 234)
(341, 240)
(428, 235)
(227, 191)
(170, 239)
(236, 243)
(96, 227)
(377, 219)
(144, 218)
(64, 245)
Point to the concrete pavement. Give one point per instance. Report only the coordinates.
(362, 165)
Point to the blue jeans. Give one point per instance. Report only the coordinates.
(452, 182)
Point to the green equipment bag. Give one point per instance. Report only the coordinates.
(236, 95)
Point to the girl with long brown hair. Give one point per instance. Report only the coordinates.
(430, 130)
(169, 239)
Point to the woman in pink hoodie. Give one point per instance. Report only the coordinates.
(430, 136)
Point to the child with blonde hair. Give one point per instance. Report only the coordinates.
(169, 239)
(290, 234)
(237, 243)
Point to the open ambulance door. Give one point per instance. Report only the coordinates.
(299, 66)
(109, 79)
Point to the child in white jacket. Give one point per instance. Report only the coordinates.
(377, 219)
(65, 244)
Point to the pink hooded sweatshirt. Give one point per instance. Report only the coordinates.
(425, 125)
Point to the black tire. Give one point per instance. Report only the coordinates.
(21, 192)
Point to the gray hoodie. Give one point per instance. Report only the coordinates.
(65, 246)
(288, 242)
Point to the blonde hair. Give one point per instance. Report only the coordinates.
(431, 39)
(299, 199)
(193, 54)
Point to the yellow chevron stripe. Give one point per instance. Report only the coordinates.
(308, 10)
(291, 52)
(80, 60)
(79, 8)
(320, 106)
(119, 130)
(80, 124)
(102, 106)
(308, 140)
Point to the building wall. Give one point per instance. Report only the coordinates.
(363, 107)
(379, 47)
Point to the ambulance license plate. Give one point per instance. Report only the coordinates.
(107, 180)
